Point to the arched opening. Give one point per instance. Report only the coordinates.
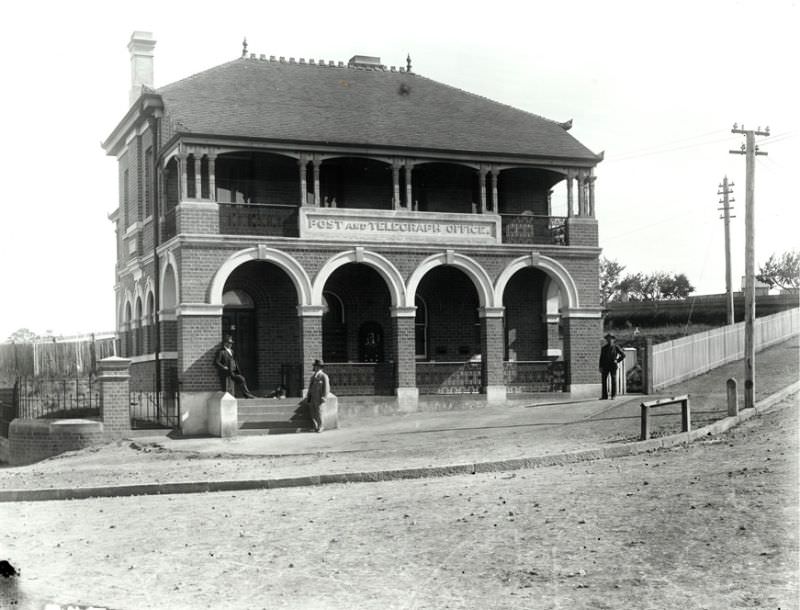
(453, 342)
(137, 328)
(532, 342)
(356, 331)
(356, 182)
(260, 312)
(445, 187)
(169, 296)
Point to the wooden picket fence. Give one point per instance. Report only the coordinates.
(675, 361)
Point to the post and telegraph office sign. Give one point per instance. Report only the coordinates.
(400, 226)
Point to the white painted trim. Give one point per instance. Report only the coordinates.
(594, 313)
(196, 205)
(384, 267)
(491, 312)
(403, 312)
(557, 272)
(167, 315)
(198, 309)
(152, 357)
(310, 311)
(478, 275)
(285, 261)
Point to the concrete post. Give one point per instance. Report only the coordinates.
(114, 382)
(733, 398)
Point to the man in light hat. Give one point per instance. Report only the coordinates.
(319, 387)
(610, 356)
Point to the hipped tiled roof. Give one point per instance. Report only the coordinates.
(253, 98)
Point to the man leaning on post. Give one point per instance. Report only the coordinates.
(610, 356)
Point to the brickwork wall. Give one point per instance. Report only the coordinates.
(525, 329)
(143, 376)
(32, 440)
(582, 232)
(492, 349)
(193, 219)
(311, 332)
(169, 335)
(405, 361)
(198, 342)
(582, 342)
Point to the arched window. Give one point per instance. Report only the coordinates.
(421, 329)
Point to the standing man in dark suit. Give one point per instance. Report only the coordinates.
(229, 373)
(319, 386)
(610, 356)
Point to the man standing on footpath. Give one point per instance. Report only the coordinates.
(610, 356)
(229, 373)
(318, 389)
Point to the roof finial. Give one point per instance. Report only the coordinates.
(244, 47)
(408, 63)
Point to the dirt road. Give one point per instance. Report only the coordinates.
(713, 525)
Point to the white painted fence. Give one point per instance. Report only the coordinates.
(681, 359)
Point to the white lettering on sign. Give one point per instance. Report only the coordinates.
(382, 226)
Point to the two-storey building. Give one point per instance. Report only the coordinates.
(397, 227)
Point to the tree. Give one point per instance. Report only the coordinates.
(22, 335)
(782, 271)
(676, 287)
(610, 270)
(654, 286)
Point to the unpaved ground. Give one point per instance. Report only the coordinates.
(712, 525)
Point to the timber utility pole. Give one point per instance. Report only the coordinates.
(750, 150)
(726, 188)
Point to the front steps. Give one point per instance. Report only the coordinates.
(272, 416)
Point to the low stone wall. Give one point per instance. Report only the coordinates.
(31, 440)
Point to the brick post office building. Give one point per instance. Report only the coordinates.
(397, 227)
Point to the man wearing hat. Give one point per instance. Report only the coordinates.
(610, 356)
(228, 368)
(319, 387)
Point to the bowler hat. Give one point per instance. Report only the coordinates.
(610, 336)
(318, 362)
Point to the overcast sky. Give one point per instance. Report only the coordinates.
(655, 86)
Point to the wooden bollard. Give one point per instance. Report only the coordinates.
(733, 398)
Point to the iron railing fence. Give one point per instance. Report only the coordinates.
(449, 377)
(258, 219)
(154, 410)
(361, 378)
(57, 397)
(531, 376)
(534, 229)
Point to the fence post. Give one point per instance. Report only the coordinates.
(648, 366)
(733, 398)
(114, 380)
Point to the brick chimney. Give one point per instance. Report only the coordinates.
(141, 48)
